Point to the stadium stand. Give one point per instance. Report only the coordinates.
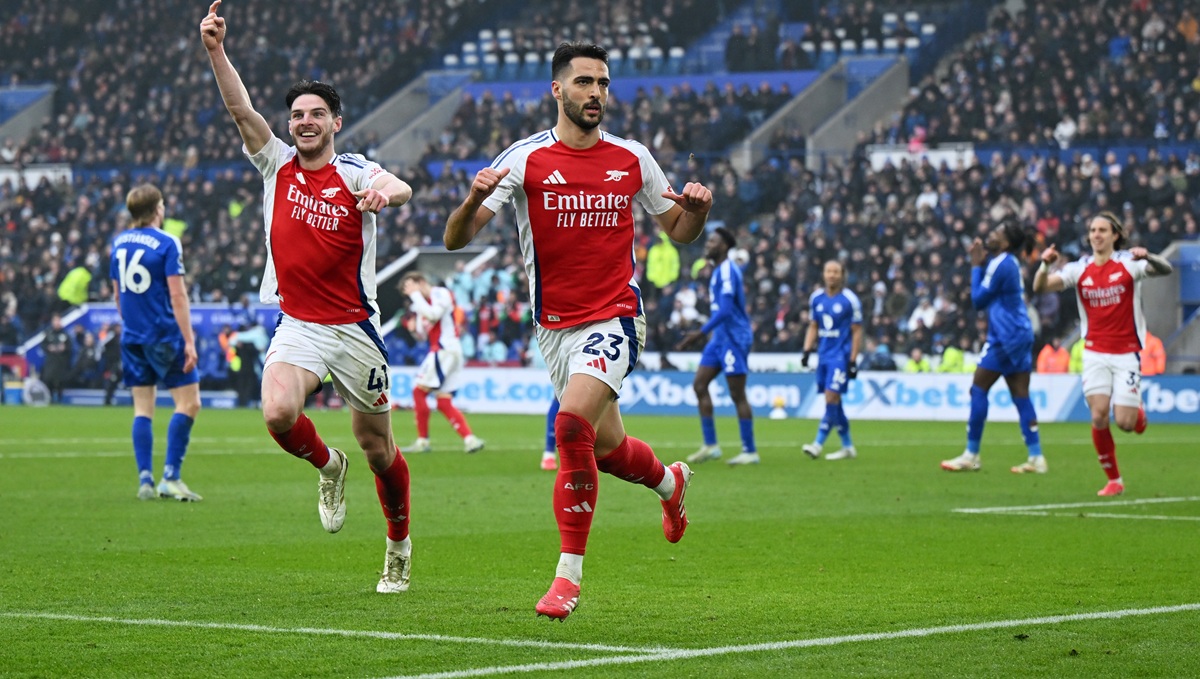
(901, 226)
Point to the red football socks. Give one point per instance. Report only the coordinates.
(1107, 451)
(303, 442)
(446, 407)
(635, 462)
(392, 488)
(577, 482)
(421, 411)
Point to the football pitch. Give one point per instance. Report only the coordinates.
(880, 566)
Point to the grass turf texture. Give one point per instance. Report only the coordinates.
(792, 549)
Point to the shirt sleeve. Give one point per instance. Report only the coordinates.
(173, 260)
(515, 162)
(431, 310)
(723, 303)
(1070, 273)
(654, 183)
(271, 156)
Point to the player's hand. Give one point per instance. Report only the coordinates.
(804, 359)
(371, 200)
(1050, 255)
(1139, 253)
(190, 358)
(409, 287)
(212, 28)
(486, 181)
(694, 198)
(976, 252)
(852, 371)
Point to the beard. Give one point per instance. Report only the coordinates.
(322, 143)
(575, 114)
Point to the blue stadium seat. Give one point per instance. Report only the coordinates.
(616, 62)
(491, 66)
(658, 61)
(891, 46)
(849, 48)
(675, 57)
(532, 66)
(890, 19)
(511, 69)
(870, 47)
(810, 48)
(451, 61)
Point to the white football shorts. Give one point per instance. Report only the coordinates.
(352, 354)
(439, 371)
(607, 350)
(1115, 375)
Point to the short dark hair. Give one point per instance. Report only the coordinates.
(569, 50)
(727, 236)
(322, 90)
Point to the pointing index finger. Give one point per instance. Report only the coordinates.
(212, 9)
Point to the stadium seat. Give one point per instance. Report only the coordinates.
(810, 48)
(451, 61)
(616, 62)
(532, 66)
(828, 55)
(927, 32)
(470, 48)
(675, 57)
(849, 48)
(912, 44)
(870, 46)
(635, 59)
(912, 18)
(511, 70)
(486, 35)
(890, 19)
(504, 34)
(891, 46)
(840, 33)
(657, 60)
(470, 61)
(491, 66)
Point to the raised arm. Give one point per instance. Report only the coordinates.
(1156, 264)
(252, 126)
(1043, 280)
(469, 218)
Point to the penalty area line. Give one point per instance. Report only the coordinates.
(684, 654)
(348, 633)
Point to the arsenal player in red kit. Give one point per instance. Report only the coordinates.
(1108, 286)
(574, 187)
(320, 208)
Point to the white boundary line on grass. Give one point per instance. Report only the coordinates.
(369, 634)
(1043, 510)
(800, 643)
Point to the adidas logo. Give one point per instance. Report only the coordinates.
(300, 178)
(1086, 281)
(581, 508)
(554, 178)
(380, 401)
(599, 364)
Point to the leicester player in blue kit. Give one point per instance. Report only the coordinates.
(157, 345)
(998, 289)
(835, 330)
(726, 351)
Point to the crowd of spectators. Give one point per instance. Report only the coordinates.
(134, 85)
(615, 24)
(1063, 74)
(680, 120)
(902, 229)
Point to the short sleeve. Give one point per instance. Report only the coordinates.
(270, 157)
(654, 184)
(1071, 272)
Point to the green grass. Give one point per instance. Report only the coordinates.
(787, 551)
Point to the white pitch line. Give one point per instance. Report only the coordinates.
(684, 654)
(367, 634)
(1075, 505)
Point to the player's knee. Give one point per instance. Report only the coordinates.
(1099, 420)
(701, 388)
(1126, 423)
(279, 417)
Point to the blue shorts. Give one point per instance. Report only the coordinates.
(147, 365)
(1007, 359)
(832, 375)
(730, 358)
